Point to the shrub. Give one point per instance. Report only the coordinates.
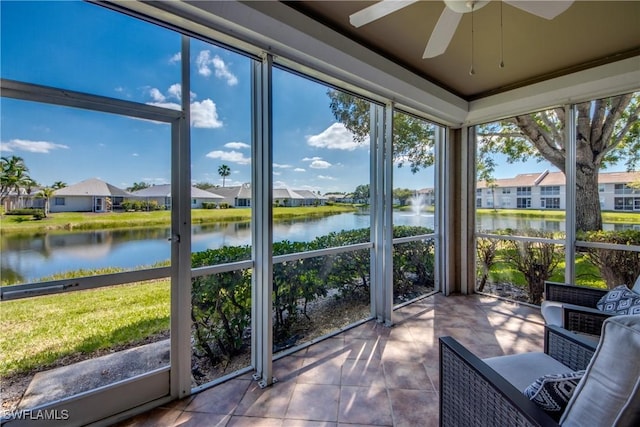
(209, 205)
(617, 267)
(536, 260)
(37, 214)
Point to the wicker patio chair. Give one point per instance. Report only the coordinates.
(489, 392)
(573, 307)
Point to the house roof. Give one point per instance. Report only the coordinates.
(164, 190)
(308, 194)
(92, 187)
(557, 178)
(285, 193)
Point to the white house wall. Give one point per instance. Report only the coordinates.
(72, 204)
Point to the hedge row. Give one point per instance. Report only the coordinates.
(221, 303)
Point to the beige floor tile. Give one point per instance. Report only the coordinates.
(314, 402)
(365, 405)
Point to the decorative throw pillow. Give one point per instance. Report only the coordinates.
(620, 300)
(552, 392)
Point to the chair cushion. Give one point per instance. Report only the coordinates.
(551, 312)
(522, 369)
(609, 393)
(552, 392)
(620, 300)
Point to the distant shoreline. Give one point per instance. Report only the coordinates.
(74, 221)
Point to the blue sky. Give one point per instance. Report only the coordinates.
(83, 47)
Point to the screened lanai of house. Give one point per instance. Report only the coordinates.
(245, 310)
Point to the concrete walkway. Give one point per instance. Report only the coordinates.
(66, 381)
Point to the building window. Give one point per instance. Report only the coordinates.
(601, 188)
(58, 201)
(624, 189)
(523, 191)
(626, 203)
(550, 203)
(506, 191)
(523, 202)
(478, 202)
(550, 190)
(479, 192)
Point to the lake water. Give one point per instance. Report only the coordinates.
(29, 258)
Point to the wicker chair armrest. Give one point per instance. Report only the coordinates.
(473, 394)
(572, 294)
(572, 350)
(584, 320)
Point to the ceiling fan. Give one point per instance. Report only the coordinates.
(451, 16)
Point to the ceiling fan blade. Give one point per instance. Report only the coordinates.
(377, 11)
(442, 33)
(543, 9)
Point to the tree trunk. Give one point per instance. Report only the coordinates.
(588, 215)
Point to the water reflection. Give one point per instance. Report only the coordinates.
(27, 258)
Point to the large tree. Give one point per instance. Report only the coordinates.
(14, 176)
(607, 132)
(413, 138)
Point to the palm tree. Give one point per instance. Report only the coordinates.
(46, 194)
(58, 185)
(14, 176)
(224, 171)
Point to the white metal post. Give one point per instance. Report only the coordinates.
(570, 144)
(262, 233)
(181, 241)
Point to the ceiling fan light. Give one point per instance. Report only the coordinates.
(464, 6)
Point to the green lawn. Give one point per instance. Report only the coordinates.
(607, 216)
(112, 220)
(36, 332)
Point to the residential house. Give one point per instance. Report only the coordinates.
(240, 197)
(161, 194)
(90, 195)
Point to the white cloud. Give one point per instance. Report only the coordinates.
(310, 159)
(204, 115)
(43, 147)
(335, 137)
(229, 156)
(279, 166)
(175, 91)
(320, 164)
(299, 170)
(135, 154)
(277, 173)
(175, 58)
(156, 95)
(280, 184)
(222, 71)
(237, 145)
(204, 63)
(326, 177)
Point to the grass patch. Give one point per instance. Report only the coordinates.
(607, 216)
(114, 220)
(36, 332)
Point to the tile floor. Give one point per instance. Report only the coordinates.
(367, 376)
